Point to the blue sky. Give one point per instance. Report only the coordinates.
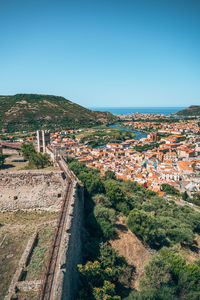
(102, 53)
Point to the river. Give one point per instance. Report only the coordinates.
(138, 134)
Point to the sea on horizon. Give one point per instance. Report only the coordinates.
(145, 110)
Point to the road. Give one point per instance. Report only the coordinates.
(183, 203)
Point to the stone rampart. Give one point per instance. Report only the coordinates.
(21, 265)
(70, 254)
(31, 190)
(46, 190)
(64, 284)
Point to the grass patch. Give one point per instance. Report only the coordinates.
(33, 295)
(20, 217)
(40, 253)
(15, 232)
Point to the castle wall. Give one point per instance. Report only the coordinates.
(70, 255)
(46, 190)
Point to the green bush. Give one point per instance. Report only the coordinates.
(2, 160)
(113, 192)
(169, 189)
(38, 160)
(105, 213)
(167, 276)
(102, 200)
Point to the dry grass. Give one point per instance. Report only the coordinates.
(40, 252)
(33, 295)
(132, 249)
(191, 254)
(11, 166)
(14, 234)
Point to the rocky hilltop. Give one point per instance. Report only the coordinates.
(192, 110)
(32, 111)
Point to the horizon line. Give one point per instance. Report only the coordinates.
(135, 106)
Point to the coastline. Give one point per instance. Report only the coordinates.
(167, 111)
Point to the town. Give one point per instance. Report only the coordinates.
(170, 152)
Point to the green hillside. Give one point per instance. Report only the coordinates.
(32, 111)
(193, 110)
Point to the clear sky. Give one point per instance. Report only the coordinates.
(102, 53)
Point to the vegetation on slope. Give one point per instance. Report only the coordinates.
(171, 190)
(30, 112)
(159, 224)
(192, 110)
(168, 276)
(104, 274)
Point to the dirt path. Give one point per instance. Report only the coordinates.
(132, 249)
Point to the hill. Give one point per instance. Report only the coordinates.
(192, 110)
(32, 111)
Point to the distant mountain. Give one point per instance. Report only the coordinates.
(29, 112)
(193, 110)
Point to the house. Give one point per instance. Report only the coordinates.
(185, 167)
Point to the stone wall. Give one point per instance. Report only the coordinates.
(74, 250)
(21, 265)
(66, 282)
(45, 190)
(31, 190)
(71, 247)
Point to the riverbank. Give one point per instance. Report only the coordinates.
(138, 134)
(98, 136)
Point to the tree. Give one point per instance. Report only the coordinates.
(109, 174)
(39, 160)
(167, 276)
(106, 228)
(189, 279)
(185, 196)
(27, 150)
(2, 160)
(101, 199)
(157, 273)
(140, 223)
(95, 280)
(169, 189)
(106, 292)
(105, 213)
(113, 192)
(77, 167)
(124, 208)
(92, 182)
